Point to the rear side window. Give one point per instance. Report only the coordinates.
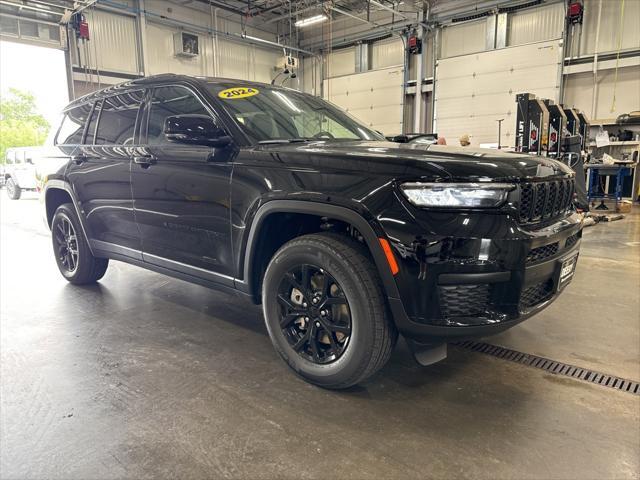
(117, 121)
(166, 102)
(10, 157)
(73, 125)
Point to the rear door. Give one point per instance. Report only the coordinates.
(181, 193)
(100, 173)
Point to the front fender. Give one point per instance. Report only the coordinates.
(368, 228)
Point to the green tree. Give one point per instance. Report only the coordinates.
(20, 123)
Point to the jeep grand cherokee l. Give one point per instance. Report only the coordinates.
(345, 239)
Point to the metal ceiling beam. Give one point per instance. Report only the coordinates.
(389, 9)
(282, 17)
(29, 7)
(83, 5)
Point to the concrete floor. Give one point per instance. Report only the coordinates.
(143, 376)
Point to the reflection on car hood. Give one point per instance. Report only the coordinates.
(407, 160)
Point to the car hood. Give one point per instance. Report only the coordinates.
(433, 162)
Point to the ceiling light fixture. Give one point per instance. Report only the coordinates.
(311, 20)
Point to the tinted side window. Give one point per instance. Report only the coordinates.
(118, 119)
(166, 102)
(73, 125)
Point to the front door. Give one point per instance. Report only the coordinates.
(181, 193)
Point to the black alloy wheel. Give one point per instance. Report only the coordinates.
(314, 314)
(71, 250)
(325, 310)
(66, 245)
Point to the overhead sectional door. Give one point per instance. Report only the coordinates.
(473, 91)
(373, 97)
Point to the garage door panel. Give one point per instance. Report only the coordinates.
(473, 91)
(374, 97)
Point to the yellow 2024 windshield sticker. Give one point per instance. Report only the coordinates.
(238, 92)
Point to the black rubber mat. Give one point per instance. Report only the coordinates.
(553, 366)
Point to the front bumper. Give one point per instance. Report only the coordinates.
(456, 287)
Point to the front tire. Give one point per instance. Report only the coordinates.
(73, 256)
(13, 190)
(325, 310)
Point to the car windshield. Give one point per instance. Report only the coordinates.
(269, 114)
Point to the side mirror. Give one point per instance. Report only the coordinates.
(195, 130)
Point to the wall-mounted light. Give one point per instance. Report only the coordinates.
(304, 22)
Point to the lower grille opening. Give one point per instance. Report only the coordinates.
(540, 253)
(572, 240)
(536, 294)
(464, 300)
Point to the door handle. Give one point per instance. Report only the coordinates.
(145, 161)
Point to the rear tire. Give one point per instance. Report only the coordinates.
(337, 328)
(13, 190)
(73, 256)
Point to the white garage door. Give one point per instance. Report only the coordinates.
(473, 91)
(374, 97)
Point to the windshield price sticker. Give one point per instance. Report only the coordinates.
(238, 92)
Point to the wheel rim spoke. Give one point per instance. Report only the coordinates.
(66, 245)
(330, 301)
(315, 317)
(313, 343)
(302, 342)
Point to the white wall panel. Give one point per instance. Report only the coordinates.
(579, 92)
(535, 24)
(469, 37)
(610, 26)
(374, 97)
(161, 58)
(473, 91)
(113, 42)
(387, 53)
(311, 72)
(231, 59)
(341, 62)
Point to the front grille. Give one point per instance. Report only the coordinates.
(540, 253)
(536, 294)
(572, 240)
(464, 300)
(542, 201)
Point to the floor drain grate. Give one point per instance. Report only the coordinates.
(552, 366)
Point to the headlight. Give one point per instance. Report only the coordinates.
(477, 195)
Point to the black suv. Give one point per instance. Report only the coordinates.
(345, 238)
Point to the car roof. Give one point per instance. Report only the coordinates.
(160, 79)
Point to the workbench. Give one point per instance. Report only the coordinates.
(597, 171)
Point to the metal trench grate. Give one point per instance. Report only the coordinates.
(552, 366)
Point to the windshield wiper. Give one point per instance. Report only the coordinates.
(284, 140)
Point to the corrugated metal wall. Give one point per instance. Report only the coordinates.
(112, 45)
(579, 93)
(535, 24)
(610, 26)
(387, 53)
(311, 73)
(469, 37)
